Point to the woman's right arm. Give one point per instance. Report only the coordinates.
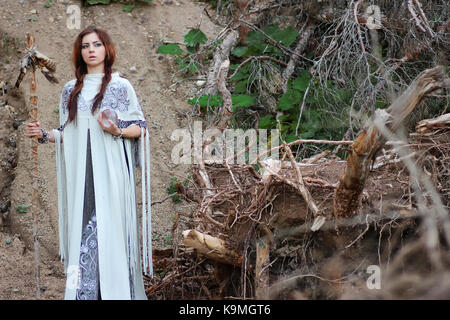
(33, 130)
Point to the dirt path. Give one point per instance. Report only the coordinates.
(136, 36)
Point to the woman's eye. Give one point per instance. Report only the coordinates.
(97, 44)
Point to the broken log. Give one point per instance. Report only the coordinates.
(227, 109)
(301, 45)
(347, 198)
(434, 124)
(211, 247)
(222, 53)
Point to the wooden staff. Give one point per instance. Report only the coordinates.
(32, 60)
(34, 151)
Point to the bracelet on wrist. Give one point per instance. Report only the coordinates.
(44, 138)
(120, 136)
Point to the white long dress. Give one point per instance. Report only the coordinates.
(113, 164)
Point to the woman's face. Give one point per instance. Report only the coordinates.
(92, 50)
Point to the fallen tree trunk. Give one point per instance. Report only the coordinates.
(434, 124)
(347, 197)
(211, 247)
(222, 53)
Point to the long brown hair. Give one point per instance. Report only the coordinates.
(81, 69)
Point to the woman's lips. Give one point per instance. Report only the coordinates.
(92, 57)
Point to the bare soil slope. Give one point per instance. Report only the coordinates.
(137, 36)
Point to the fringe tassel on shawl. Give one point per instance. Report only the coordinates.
(62, 203)
(146, 202)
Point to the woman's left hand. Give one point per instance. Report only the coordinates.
(112, 128)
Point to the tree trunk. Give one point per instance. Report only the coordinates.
(363, 150)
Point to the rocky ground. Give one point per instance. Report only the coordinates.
(137, 36)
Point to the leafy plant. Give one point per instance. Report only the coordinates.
(23, 208)
(207, 101)
(128, 8)
(170, 48)
(194, 38)
(186, 61)
(172, 190)
(168, 240)
(6, 43)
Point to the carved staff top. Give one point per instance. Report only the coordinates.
(34, 59)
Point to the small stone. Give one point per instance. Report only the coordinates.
(12, 143)
(8, 241)
(200, 83)
(5, 207)
(12, 161)
(133, 69)
(16, 124)
(43, 288)
(34, 11)
(141, 79)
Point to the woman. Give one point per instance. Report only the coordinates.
(98, 221)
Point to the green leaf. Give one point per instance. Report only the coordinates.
(23, 208)
(301, 83)
(170, 48)
(167, 240)
(193, 67)
(207, 100)
(307, 135)
(241, 87)
(243, 73)
(240, 75)
(48, 4)
(242, 101)
(285, 36)
(190, 49)
(266, 122)
(290, 137)
(255, 40)
(239, 51)
(128, 8)
(172, 190)
(194, 37)
(289, 99)
(181, 62)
